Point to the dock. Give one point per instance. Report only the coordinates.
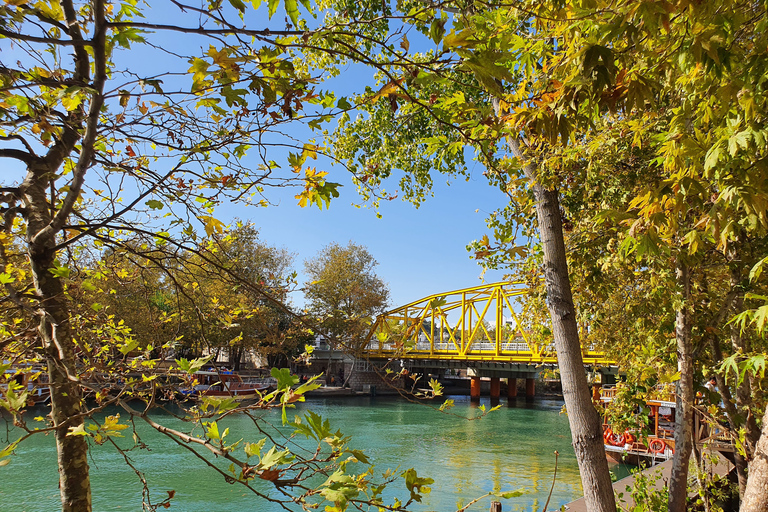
(659, 474)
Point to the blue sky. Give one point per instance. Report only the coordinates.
(419, 251)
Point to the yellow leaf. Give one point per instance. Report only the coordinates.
(212, 225)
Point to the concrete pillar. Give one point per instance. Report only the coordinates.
(512, 388)
(474, 390)
(530, 388)
(495, 387)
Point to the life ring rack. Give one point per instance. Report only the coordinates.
(614, 439)
(657, 446)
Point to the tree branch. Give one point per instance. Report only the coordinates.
(18, 154)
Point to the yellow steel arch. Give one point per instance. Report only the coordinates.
(422, 330)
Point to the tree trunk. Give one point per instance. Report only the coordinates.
(45, 220)
(58, 346)
(739, 344)
(735, 421)
(235, 357)
(756, 494)
(351, 371)
(585, 422)
(678, 482)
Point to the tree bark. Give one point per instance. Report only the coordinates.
(735, 421)
(756, 494)
(58, 346)
(739, 344)
(585, 422)
(678, 482)
(45, 220)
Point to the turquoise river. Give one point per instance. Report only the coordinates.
(511, 448)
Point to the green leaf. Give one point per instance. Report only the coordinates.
(359, 455)
(417, 485)
(343, 103)
(155, 204)
(60, 272)
(128, 347)
(310, 385)
(213, 431)
(192, 366)
(275, 458)
(315, 427)
(238, 4)
(284, 378)
(272, 6)
(292, 10)
(457, 40)
(7, 451)
(713, 157)
(252, 449)
(761, 317)
(437, 30)
(755, 272)
(447, 405)
(339, 488)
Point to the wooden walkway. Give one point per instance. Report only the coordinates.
(624, 485)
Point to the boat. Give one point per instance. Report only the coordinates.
(653, 447)
(32, 380)
(224, 384)
(657, 444)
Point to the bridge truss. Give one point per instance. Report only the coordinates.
(462, 325)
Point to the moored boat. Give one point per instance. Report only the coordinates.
(657, 445)
(224, 384)
(32, 380)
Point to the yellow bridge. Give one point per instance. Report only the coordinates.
(473, 324)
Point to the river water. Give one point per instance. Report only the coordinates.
(511, 448)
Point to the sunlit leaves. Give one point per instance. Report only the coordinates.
(416, 485)
(275, 457)
(339, 489)
(14, 398)
(317, 191)
(6, 452)
(192, 366)
(212, 225)
(100, 433)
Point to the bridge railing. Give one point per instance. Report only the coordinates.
(473, 323)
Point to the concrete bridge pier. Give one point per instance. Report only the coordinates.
(530, 388)
(495, 387)
(474, 390)
(511, 387)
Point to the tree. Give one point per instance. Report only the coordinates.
(463, 109)
(221, 309)
(108, 149)
(537, 90)
(344, 291)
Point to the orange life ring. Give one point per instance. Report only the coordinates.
(607, 434)
(657, 446)
(617, 440)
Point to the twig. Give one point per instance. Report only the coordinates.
(554, 478)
